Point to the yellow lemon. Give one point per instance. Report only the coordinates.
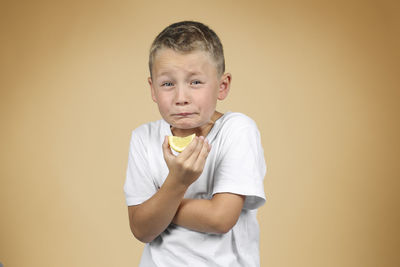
(180, 143)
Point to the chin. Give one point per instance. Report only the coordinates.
(184, 126)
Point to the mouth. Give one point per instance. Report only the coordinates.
(183, 114)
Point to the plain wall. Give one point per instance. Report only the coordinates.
(320, 78)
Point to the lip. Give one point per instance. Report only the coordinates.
(183, 114)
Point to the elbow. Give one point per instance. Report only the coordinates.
(144, 240)
(226, 211)
(141, 233)
(141, 236)
(222, 230)
(224, 225)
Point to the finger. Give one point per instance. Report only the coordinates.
(196, 151)
(187, 152)
(166, 149)
(209, 146)
(201, 159)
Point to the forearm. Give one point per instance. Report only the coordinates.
(217, 215)
(196, 214)
(153, 216)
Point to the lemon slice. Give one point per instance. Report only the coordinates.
(180, 143)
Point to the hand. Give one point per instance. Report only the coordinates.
(189, 164)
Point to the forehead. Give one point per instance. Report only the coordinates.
(168, 61)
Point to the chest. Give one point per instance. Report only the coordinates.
(202, 188)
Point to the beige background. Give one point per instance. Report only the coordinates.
(321, 79)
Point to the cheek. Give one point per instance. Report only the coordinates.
(163, 105)
(207, 101)
(164, 96)
(212, 96)
(162, 101)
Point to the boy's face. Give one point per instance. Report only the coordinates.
(186, 88)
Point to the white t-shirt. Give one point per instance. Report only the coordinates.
(235, 164)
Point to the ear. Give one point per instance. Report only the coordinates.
(224, 86)
(153, 93)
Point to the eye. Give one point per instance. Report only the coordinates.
(196, 82)
(166, 84)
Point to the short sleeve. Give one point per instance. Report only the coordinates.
(241, 167)
(139, 185)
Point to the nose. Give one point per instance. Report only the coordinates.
(181, 96)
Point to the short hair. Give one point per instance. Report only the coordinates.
(188, 36)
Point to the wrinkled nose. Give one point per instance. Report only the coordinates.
(181, 96)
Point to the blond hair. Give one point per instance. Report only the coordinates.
(188, 36)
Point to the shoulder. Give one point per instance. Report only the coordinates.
(234, 127)
(148, 130)
(149, 136)
(235, 121)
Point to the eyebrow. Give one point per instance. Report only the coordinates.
(163, 73)
(192, 73)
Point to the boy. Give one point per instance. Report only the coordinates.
(198, 207)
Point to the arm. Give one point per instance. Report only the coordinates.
(153, 216)
(241, 167)
(217, 215)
